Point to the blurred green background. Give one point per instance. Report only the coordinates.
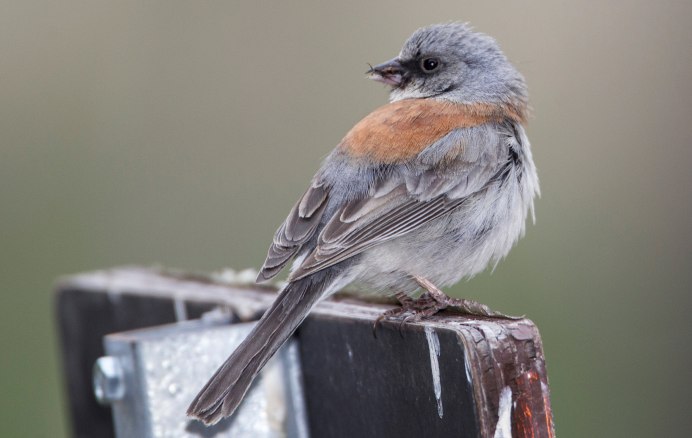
(180, 133)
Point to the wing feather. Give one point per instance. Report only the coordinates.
(340, 240)
(298, 228)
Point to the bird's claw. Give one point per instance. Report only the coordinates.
(411, 310)
(431, 302)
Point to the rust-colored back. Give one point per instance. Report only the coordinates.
(400, 130)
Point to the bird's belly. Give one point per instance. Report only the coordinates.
(461, 244)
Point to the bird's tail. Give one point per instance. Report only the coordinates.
(225, 390)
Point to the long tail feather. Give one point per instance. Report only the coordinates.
(223, 393)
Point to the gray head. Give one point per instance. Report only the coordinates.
(453, 62)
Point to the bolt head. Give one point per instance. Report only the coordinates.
(108, 380)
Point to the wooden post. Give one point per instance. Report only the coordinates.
(446, 376)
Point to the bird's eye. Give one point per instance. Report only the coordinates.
(429, 64)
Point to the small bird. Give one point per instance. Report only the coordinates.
(426, 190)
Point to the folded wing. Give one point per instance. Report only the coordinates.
(440, 180)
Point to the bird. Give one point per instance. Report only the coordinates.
(432, 187)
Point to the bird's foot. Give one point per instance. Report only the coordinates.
(431, 302)
(411, 310)
(468, 307)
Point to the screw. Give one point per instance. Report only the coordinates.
(108, 380)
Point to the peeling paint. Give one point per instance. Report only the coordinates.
(179, 309)
(467, 367)
(504, 421)
(434, 349)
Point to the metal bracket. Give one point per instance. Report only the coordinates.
(150, 375)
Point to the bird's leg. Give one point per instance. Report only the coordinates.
(468, 307)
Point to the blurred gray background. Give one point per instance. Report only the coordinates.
(180, 133)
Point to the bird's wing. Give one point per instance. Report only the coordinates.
(298, 228)
(440, 153)
(410, 198)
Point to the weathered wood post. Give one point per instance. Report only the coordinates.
(446, 376)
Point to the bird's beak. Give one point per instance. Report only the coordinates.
(390, 73)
